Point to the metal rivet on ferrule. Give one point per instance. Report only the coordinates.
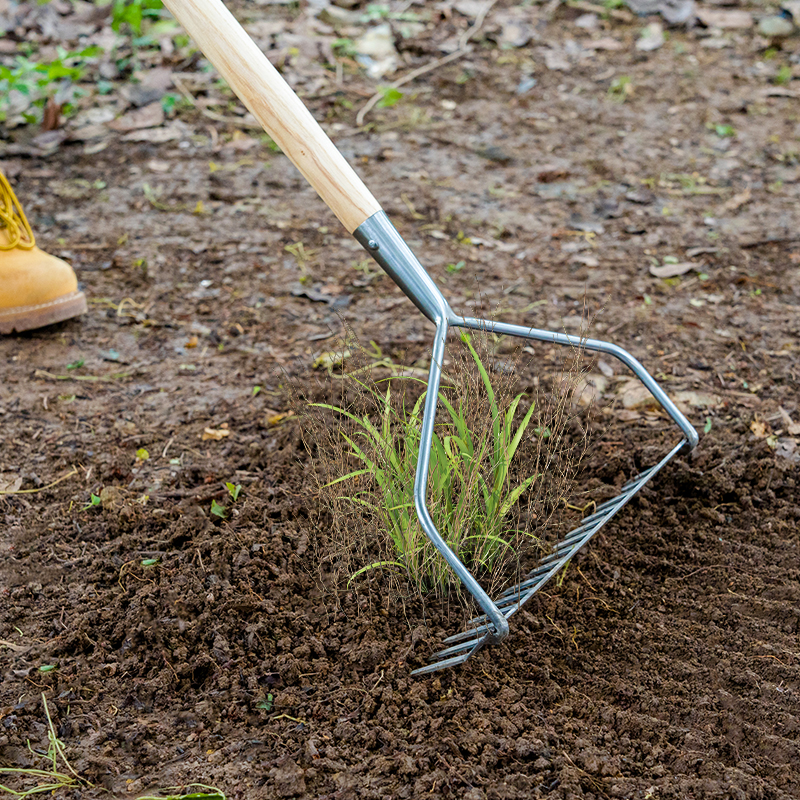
(373, 245)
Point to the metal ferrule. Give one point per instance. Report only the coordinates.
(381, 240)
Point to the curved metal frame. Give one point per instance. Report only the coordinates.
(382, 241)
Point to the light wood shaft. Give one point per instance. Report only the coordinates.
(273, 103)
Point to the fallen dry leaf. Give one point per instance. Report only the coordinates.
(787, 448)
(792, 427)
(590, 389)
(737, 201)
(9, 483)
(725, 19)
(169, 133)
(73, 189)
(215, 434)
(149, 116)
(671, 270)
(635, 396)
(330, 359)
(697, 399)
(759, 428)
(275, 418)
(606, 43)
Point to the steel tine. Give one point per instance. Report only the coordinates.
(437, 665)
(457, 648)
(468, 633)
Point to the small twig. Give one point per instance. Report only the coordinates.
(178, 83)
(621, 14)
(703, 569)
(114, 376)
(13, 647)
(765, 242)
(586, 579)
(239, 122)
(775, 657)
(463, 49)
(41, 488)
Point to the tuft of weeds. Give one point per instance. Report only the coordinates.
(59, 774)
(468, 481)
(26, 85)
(220, 510)
(500, 461)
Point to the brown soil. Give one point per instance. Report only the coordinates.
(665, 663)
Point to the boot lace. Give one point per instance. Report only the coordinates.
(13, 219)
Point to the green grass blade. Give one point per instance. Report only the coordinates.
(348, 476)
(514, 495)
(512, 448)
(374, 565)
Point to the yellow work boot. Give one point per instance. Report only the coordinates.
(36, 289)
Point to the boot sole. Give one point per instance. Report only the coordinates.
(25, 318)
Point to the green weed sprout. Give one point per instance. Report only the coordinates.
(206, 793)
(469, 485)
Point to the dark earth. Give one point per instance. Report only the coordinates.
(192, 648)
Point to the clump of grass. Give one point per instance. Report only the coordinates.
(48, 780)
(470, 509)
(496, 456)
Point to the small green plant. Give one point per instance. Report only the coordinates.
(133, 12)
(94, 502)
(470, 491)
(389, 97)
(783, 76)
(267, 704)
(345, 48)
(724, 131)
(218, 510)
(620, 89)
(233, 490)
(457, 267)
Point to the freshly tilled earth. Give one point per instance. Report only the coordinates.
(191, 648)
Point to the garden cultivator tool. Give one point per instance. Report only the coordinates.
(290, 124)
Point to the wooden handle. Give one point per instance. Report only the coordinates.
(273, 103)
